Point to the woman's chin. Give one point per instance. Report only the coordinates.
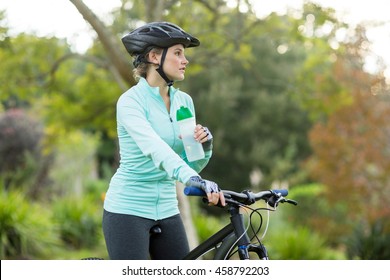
(179, 78)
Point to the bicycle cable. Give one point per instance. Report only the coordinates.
(256, 232)
(257, 211)
(246, 208)
(245, 231)
(268, 218)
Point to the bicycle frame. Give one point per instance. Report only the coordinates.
(212, 242)
(233, 235)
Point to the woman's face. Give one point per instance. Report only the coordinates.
(175, 63)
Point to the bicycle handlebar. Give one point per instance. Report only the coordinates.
(273, 197)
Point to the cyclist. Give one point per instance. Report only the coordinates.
(142, 193)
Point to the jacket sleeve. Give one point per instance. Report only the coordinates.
(131, 114)
(199, 165)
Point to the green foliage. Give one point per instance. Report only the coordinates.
(19, 135)
(370, 241)
(24, 164)
(74, 163)
(96, 189)
(258, 126)
(28, 61)
(88, 104)
(79, 221)
(317, 88)
(309, 200)
(26, 230)
(299, 243)
(206, 226)
(314, 211)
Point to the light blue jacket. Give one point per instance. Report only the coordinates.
(152, 156)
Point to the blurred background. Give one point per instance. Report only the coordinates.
(296, 97)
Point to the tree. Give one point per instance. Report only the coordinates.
(351, 156)
(350, 143)
(114, 51)
(23, 162)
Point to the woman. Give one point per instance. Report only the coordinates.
(141, 199)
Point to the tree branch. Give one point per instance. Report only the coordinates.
(115, 51)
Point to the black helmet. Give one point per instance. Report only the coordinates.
(159, 34)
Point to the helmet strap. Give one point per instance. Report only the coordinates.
(160, 68)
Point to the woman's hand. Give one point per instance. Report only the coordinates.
(213, 192)
(202, 134)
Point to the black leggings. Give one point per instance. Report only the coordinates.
(128, 237)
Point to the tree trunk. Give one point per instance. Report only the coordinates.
(114, 49)
(185, 210)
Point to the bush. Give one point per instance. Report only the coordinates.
(79, 221)
(370, 241)
(74, 164)
(299, 244)
(316, 212)
(26, 231)
(22, 161)
(18, 135)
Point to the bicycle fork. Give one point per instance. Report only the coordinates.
(244, 244)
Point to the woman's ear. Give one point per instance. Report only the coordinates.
(153, 57)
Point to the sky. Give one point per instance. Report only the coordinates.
(61, 19)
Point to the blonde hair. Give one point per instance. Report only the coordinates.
(142, 68)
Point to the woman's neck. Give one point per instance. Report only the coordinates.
(157, 81)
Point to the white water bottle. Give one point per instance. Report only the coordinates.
(185, 120)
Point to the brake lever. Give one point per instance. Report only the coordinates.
(281, 199)
(292, 201)
(227, 200)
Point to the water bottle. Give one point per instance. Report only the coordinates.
(186, 122)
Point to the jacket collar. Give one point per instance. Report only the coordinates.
(155, 91)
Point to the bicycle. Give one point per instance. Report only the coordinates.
(234, 239)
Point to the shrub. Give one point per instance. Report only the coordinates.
(26, 231)
(370, 241)
(299, 244)
(79, 221)
(22, 161)
(319, 214)
(18, 135)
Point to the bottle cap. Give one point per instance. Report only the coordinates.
(183, 113)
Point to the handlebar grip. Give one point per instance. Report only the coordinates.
(194, 191)
(281, 192)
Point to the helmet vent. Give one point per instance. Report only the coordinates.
(166, 28)
(145, 30)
